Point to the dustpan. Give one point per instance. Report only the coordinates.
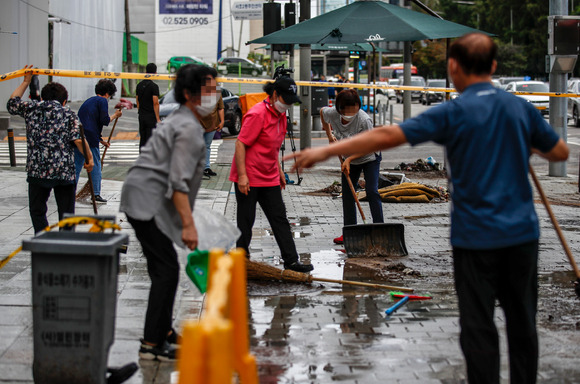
(374, 240)
(196, 269)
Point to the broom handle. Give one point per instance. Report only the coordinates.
(88, 173)
(554, 222)
(349, 282)
(108, 142)
(353, 193)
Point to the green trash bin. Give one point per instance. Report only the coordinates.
(74, 296)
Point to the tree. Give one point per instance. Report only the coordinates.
(430, 59)
(511, 60)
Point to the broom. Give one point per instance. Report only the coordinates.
(85, 190)
(261, 271)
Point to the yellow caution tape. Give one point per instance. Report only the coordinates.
(157, 76)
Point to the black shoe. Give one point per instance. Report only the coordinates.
(99, 199)
(209, 172)
(165, 352)
(173, 338)
(121, 374)
(299, 267)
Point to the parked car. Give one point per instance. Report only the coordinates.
(176, 62)
(504, 81)
(574, 102)
(542, 103)
(391, 92)
(233, 65)
(232, 109)
(429, 97)
(416, 81)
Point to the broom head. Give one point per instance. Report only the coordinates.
(262, 271)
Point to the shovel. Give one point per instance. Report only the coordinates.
(372, 240)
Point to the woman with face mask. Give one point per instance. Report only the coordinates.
(256, 171)
(158, 197)
(344, 120)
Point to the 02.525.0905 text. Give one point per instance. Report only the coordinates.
(185, 20)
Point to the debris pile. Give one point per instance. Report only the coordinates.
(420, 166)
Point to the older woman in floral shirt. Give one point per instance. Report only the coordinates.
(51, 133)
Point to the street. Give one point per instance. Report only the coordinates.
(317, 333)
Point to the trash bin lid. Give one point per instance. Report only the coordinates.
(79, 243)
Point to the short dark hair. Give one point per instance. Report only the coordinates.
(54, 91)
(347, 98)
(475, 53)
(105, 86)
(151, 68)
(191, 77)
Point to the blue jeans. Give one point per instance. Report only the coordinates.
(95, 173)
(371, 174)
(208, 137)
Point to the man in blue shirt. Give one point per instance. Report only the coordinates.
(489, 136)
(94, 114)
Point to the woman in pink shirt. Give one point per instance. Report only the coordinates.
(256, 171)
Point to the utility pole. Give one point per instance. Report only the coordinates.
(305, 69)
(130, 66)
(558, 83)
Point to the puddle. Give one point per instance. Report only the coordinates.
(299, 234)
(327, 263)
(560, 278)
(300, 221)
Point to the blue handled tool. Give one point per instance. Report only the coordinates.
(396, 306)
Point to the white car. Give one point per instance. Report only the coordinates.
(542, 103)
(391, 92)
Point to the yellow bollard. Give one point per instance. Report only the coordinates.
(244, 362)
(192, 354)
(220, 359)
(216, 346)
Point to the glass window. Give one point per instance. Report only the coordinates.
(532, 88)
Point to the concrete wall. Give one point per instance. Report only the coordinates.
(23, 40)
(142, 19)
(92, 41)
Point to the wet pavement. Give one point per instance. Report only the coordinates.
(319, 332)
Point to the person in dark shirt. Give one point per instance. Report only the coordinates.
(51, 133)
(94, 114)
(494, 227)
(148, 105)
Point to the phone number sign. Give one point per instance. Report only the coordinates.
(185, 7)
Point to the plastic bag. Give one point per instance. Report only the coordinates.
(214, 230)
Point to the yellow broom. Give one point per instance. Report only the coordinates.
(261, 271)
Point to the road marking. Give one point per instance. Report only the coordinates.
(120, 152)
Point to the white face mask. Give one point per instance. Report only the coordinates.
(281, 107)
(208, 103)
(347, 118)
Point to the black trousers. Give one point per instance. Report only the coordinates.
(37, 202)
(509, 275)
(146, 126)
(270, 199)
(163, 269)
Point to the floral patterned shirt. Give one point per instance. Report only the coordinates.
(50, 132)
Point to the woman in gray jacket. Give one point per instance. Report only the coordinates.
(158, 198)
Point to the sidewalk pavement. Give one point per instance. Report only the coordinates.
(317, 333)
